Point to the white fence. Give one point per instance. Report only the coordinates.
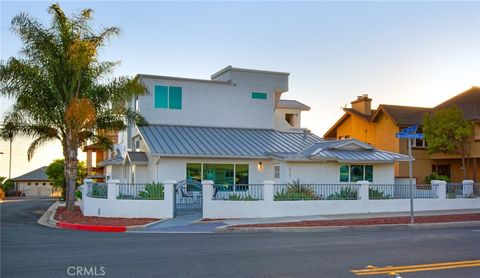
(272, 200)
(427, 199)
(116, 205)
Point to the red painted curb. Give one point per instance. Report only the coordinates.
(93, 228)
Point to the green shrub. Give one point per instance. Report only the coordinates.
(346, 193)
(238, 197)
(152, 191)
(78, 195)
(436, 176)
(377, 194)
(296, 191)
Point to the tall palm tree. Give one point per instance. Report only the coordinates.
(62, 91)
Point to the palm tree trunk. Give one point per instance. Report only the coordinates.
(71, 165)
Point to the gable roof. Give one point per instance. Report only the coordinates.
(189, 141)
(35, 175)
(290, 103)
(343, 151)
(468, 101)
(402, 115)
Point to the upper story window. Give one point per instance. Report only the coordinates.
(169, 97)
(136, 103)
(259, 95)
(289, 118)
(420, 143)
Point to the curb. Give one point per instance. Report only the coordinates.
(232, 229)
(143, 227)
(92, 228)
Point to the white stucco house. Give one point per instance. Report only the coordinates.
(235, 128)
(36, 184)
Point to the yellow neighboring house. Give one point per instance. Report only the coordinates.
(378, 128)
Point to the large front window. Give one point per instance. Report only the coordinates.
(218, 173)
(354, 173)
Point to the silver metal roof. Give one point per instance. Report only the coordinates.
(35, 175)
(191, 141)
(137, 157)
(349, 150)
(117, 160)
(290, 103)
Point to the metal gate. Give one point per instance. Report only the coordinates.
(188, 197)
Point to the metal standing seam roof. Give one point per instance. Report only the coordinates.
(290, 103)
(188, 141)
(35, 175)
(334, 150)
(117, 160)
(137, 157)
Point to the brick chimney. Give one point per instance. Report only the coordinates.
(363, 104)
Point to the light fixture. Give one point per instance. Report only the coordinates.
(260, 166)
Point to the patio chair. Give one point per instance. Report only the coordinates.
(185, 195)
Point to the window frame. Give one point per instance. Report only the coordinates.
(364, 172)
(167, 97)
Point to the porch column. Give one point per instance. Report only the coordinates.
(169, 196)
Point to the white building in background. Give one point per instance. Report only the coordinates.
(235, 128)
(36, 184)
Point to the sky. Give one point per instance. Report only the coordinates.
(404, 53)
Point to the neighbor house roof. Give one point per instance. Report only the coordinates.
(188, 141)
(468, 101)
(290, 103)
(402, 115)
(35, 175)
(346, 151)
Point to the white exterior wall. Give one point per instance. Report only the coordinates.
(203, 102)
(329, 172)
(282, 124)
(39, 190)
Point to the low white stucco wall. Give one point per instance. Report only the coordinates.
(113, 207)
(270, 208)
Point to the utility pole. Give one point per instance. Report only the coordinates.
(410, 175)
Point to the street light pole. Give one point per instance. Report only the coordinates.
(410, 175)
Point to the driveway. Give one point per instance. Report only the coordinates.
(31, 250)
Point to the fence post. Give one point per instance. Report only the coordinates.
(268, 191)
(363, 194)
(207, 195)
(169, 196)
(84, 188)
(112, 189)
(442, 188)
(467, 187)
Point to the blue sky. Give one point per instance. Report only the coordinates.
(411, 53)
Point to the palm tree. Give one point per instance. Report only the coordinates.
(61, 91)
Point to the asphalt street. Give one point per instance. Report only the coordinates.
(31, 250)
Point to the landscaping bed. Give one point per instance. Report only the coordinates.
(368, 221)
(77, 217)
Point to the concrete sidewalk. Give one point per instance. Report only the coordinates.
(231, 222)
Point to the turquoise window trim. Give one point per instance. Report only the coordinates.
(169, 97)
(161, 96)
(259, 95)
(175, 97)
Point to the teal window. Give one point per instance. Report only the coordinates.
(344, 173)
(258, 95)
(354, 173)
(194, 171)
(161, 96)
(168, 97)
(369, 173)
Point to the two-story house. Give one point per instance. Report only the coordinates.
(378, 127)
(235, 128)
